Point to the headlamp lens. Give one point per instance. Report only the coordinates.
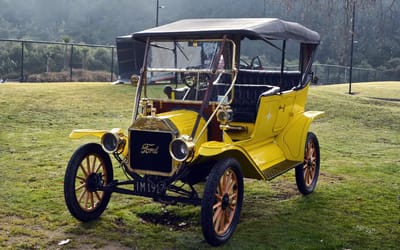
(181, 149)
(110, 142)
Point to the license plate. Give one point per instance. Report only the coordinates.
(145, 187)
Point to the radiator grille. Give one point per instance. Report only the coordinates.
(149, 151)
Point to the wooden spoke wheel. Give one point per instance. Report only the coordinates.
(88, 169)
(222, 202)
(307, 172)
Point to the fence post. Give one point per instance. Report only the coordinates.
(22, 62)
(328, 77)
(352, 46)
(112, 64)
(70, 62)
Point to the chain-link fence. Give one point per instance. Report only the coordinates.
(331, 74)
(41, 61)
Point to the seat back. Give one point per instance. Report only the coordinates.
(250, 85)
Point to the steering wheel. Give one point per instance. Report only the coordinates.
(189, 79)
(193, 79)
(256, 63)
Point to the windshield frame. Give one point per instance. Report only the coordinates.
(142, 84)
(144, 81)
(210, 70)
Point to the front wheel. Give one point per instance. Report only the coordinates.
(88, 169)
(307, 172)
(222, 202)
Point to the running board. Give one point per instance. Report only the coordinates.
(279, 169)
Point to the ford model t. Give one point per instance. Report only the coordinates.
(217, 100)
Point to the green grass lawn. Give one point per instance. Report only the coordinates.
(355, 206)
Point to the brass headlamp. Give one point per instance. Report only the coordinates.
(181, 148)
(113, 141)
(225, 115)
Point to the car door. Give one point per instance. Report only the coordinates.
(283, 112)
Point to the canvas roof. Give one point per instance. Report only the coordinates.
(253, 28)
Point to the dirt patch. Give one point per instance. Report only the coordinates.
(23, 233)
(284, 190)
(330, 178)
(169, 219)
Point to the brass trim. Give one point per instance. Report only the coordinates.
(154, 124)
(233, 128)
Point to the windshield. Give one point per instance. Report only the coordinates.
(182, 70)
(182, 55)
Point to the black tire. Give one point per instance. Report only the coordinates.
(307, 173)
(89, 167)
(222, 201)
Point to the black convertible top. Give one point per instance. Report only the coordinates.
(253, 28)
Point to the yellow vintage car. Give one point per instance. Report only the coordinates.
(217, 100)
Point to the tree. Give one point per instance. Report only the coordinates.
(377, 30)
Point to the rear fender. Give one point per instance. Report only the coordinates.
(292, 139)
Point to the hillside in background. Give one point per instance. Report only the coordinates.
(377, 31)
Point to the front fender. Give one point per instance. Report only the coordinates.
(292, 139)
(220, 150)
(80, 133)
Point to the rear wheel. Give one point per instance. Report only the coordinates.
(88, 169)
(307, 172)
(222, 202)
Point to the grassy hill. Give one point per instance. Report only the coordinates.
(355, 206)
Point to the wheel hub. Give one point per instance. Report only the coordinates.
(309, 163)
(93, 182)
(225, 201)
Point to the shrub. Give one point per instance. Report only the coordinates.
(77, 76)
